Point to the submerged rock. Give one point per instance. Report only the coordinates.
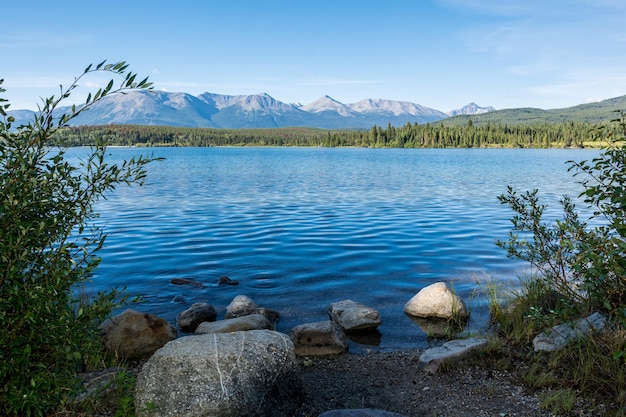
(186, 281)
(227, 281)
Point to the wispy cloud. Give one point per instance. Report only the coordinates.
(584, 85)
(502, 8)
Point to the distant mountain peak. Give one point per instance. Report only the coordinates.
(396, 108)
(470, 109)
(328, 104)
(250, 111)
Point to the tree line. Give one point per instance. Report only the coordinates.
(437, 135)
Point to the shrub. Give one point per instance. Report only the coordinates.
(577, 269)
(585, 265)
(48, 249)
(602, 250)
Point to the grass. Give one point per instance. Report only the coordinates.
(590, 370)
(560, 402)
(114, 397)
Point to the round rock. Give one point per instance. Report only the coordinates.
(436, 300)
(252, 373)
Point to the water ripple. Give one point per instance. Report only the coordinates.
(301, 228)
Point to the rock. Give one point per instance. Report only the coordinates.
(238, 324)
(319, 338)
(353, 316)
(186, 281)
(227, 281)
(98, 382)
(179, 299)
(363, 412)
(188, 320)
(251, 373)
(559, 336)
(451, 351)
(438, 301)
(242, 305)
(135, 335)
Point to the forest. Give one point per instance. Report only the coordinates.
(545, 135)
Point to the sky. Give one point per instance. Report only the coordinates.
(441, 54)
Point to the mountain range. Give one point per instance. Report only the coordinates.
(251, 111)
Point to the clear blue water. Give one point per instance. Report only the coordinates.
(301, 228)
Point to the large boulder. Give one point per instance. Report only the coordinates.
(319, 339)
(252, 373)
(238, 324)
(559, 336)
(135, 335)
(353, 316)
(242, 305)
(188, 320)
(436, 301)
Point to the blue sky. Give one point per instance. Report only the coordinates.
(438, 53)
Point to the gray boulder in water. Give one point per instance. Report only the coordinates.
(353, 316)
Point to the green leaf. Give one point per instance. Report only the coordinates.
(109, 86)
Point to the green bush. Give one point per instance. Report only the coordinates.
(602, 250)
(48, 249)
(577, 269)
(585, 265)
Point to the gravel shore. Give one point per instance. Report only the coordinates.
(392, 382)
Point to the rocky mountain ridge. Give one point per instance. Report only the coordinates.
(249, 111)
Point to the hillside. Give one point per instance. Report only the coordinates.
(601, 111)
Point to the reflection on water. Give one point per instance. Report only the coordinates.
(301, 228)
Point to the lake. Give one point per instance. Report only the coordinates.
(301, 228)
